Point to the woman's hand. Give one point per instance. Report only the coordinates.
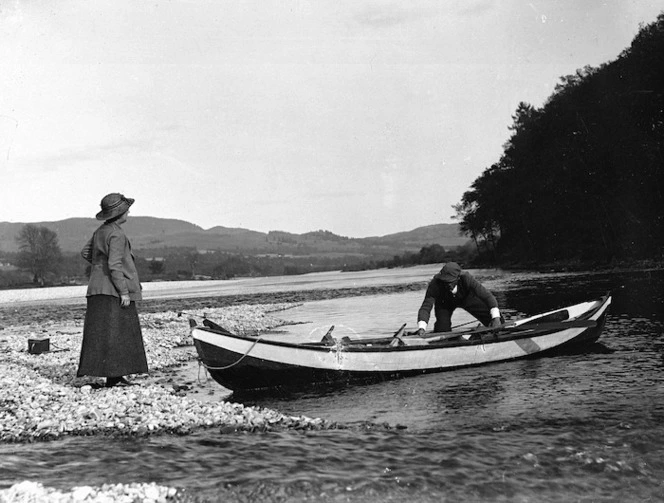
(125, 300)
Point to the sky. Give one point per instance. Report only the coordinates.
(360, 117)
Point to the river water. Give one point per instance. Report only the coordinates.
(582, 427)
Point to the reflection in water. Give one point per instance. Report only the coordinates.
(469, 394)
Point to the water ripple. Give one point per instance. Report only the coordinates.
(585, 427)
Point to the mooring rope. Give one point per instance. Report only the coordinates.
(208, 367)
(198, 377)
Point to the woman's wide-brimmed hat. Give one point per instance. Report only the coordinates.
(113, 205)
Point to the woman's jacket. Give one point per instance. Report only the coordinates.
(113, 269)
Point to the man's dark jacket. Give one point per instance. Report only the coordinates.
(470, 292)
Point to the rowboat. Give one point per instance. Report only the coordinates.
(241, 362)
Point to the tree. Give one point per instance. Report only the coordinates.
(39, 251)
(580, 179)
(192, 259)
(156, 266)
(432, 254)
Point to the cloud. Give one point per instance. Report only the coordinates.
(476, 8)
(71, 156)
(313, 112)
(388, 15)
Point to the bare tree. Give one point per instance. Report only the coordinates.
(192, 259)
(156, 266)
(39, 251)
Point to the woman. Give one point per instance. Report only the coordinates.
(112, 340)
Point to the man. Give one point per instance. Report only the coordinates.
(452, 288)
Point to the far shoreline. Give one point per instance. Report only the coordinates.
(53, 311)
(548, 267)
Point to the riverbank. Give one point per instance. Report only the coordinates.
(49, 311)
(574, 266)
(41, 399)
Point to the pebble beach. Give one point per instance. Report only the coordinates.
(41, 399)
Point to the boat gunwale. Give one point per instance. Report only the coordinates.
(358, 347)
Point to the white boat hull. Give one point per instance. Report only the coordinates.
(239, 362)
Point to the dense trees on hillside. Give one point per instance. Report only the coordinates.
(189, 263)
(431, 254)
(581, 178)
(186, 263)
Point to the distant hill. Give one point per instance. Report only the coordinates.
(152, 234)
(446, 235)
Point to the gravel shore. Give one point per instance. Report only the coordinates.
(41, 399)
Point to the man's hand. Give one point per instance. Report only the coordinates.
(495, 323)
(125, 300)
(420, 332)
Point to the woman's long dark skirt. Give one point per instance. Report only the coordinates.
(112, 339)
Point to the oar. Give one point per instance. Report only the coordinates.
(376, 340)
(328, 339)
(514, 329)
(432, 337)
(553, 325)
(396, 338)
(451, 333)
(441, 336)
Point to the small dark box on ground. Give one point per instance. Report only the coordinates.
(37, 346)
